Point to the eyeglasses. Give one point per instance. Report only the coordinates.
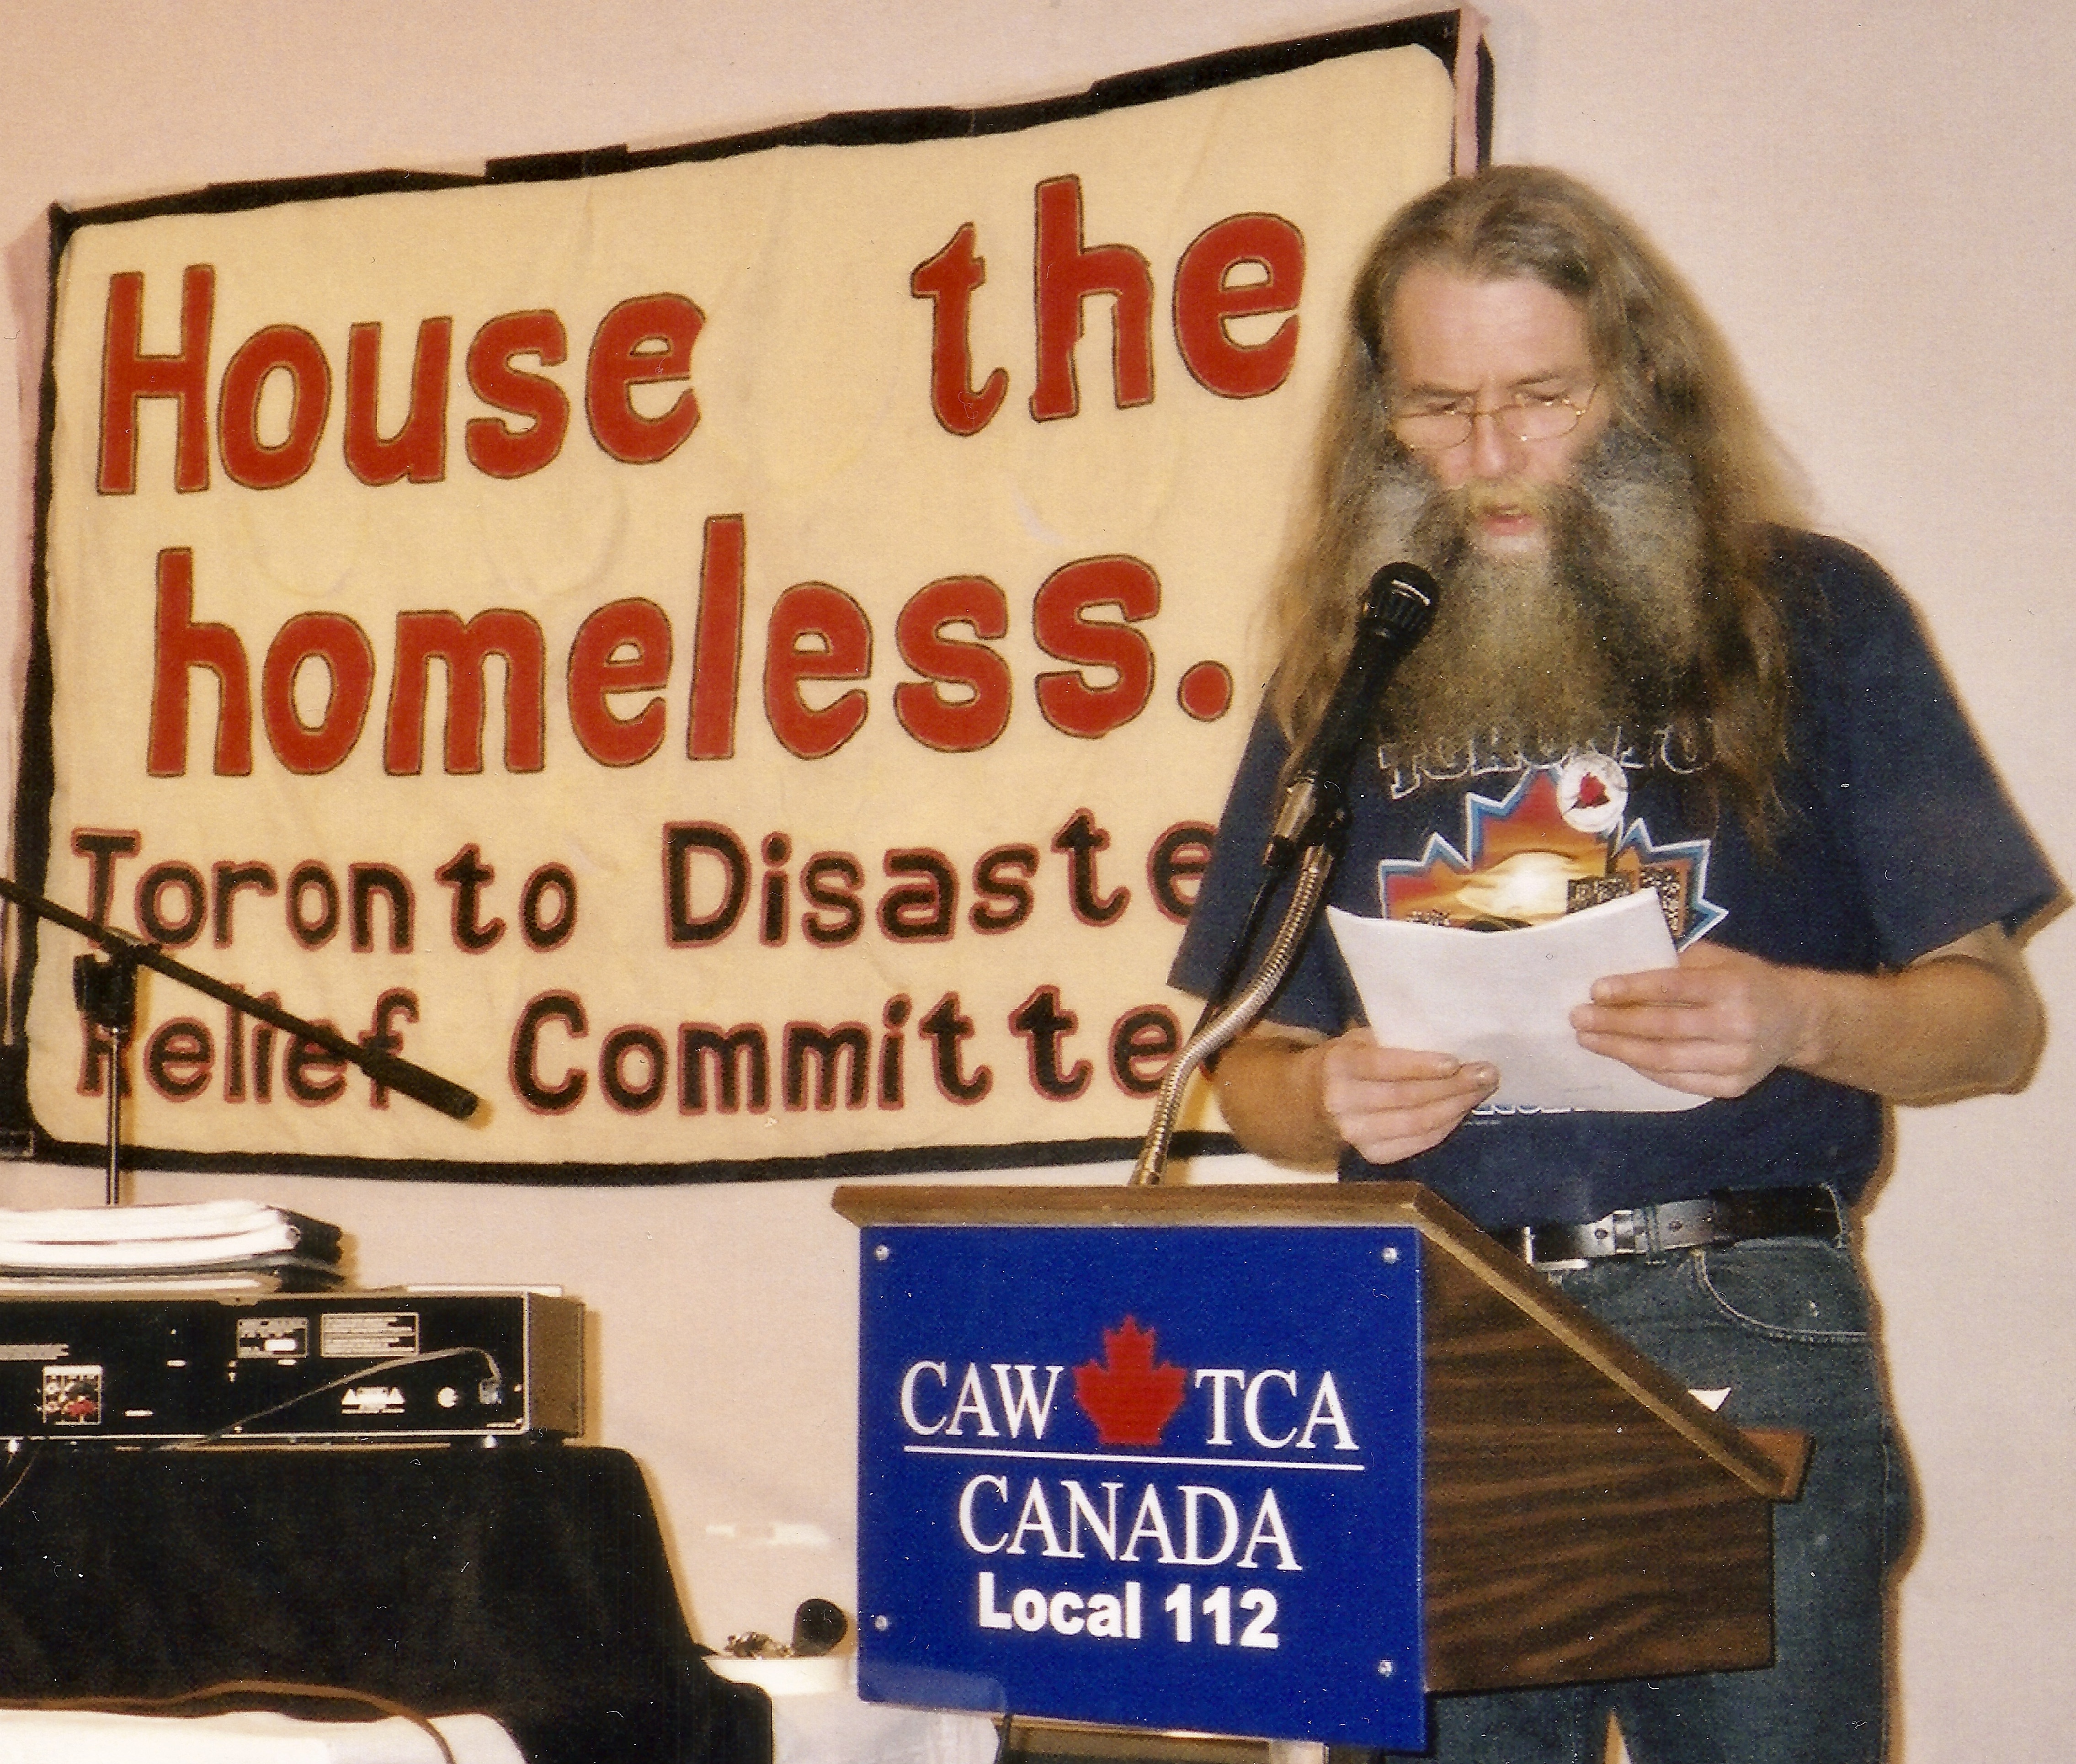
(1526, 417)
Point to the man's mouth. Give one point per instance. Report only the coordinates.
(1504, 517)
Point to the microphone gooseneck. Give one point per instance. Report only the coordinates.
(1396, 608)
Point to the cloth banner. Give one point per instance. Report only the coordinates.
(731, 652)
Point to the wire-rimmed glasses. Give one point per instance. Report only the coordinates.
(1526, 416)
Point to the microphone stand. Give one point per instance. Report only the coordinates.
(1309, 828)
(105, 987)
(1223, 1021)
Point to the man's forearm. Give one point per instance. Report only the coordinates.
(1963, 1020)
(1966, 1019)
(1269, 1090)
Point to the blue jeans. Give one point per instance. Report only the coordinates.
(1786, 1325)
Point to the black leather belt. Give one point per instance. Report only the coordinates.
(1730, 1216)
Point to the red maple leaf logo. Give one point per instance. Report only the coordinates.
(1130, 1398)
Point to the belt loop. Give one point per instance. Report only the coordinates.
(1653, 1232)
(1842, 1238)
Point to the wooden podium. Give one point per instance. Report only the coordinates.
(1581, 1516)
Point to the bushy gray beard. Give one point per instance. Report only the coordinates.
(1554, 650)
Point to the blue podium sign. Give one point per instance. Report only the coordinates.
(1165, 1478)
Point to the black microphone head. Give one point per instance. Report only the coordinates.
(1396, 608)
(818, 1627)
(1399, 602)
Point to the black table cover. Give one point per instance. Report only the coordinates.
(529, 1581)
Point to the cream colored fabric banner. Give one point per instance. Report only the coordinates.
(732, 659)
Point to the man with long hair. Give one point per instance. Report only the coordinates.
(1642, 675)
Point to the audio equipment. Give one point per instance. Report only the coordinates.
(394, 1364)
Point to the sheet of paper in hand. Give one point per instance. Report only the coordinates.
(1507, 996)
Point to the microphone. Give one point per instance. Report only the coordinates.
(818, 1627)
(1397, 607)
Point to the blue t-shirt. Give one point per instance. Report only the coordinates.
(1897, 839)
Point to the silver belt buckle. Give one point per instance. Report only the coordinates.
(1543, 1263)
(1617, 1234)
(1682, 1225)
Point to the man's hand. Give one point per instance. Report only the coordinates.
(1964, 1019)
(1390, 1103)
(1713, 1026)
(1298, 1098)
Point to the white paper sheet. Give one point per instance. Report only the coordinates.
(1507, 996)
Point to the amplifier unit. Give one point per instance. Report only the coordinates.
(393, 1364)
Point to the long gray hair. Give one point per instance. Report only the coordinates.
(1671, 381)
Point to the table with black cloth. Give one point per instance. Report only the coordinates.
(528, 1581)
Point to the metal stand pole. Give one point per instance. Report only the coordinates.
(105, 989)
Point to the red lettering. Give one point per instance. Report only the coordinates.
(1066, 699)
(948, 281)
(1067, 273)
(263, 465)
(128, 375)
(977, 717)
(424, 637)
(624, 646)
(179, 645)
(642, 342)
(418, 450)
(817, 632)
(1206, 691)
(349, 659)
(1207, 300)
(495, 448)
(717, 642)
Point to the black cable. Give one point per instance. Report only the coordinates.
(35, 1445)
(234, 1687)
(399, 1364)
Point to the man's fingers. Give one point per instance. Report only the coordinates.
(1391, 1102)
(1647, 1023)
(1384, 1135)
(1660, 1057)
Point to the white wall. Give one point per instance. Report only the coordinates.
(1877, 202)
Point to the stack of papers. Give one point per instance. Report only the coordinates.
(1507, 996)
(240, 1245)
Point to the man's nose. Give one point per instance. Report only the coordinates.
(1493, 451)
